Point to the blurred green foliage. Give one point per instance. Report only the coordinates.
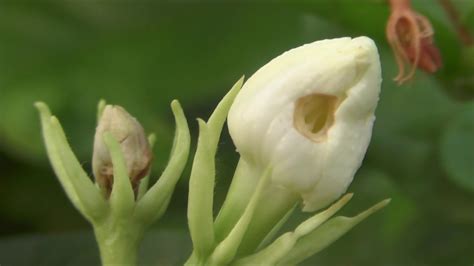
(142, 54)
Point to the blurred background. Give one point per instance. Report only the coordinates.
(142, 54)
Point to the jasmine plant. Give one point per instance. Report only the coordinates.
(301, 125)
(120, 205)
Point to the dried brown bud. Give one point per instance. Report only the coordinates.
(135, 148)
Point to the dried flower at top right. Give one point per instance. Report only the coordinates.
(410, 35)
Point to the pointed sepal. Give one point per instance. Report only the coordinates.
(201, 183)
(325, 235)
(153, 203)
(226, 250)
(122, 198)
(84, 195)
(286, 242)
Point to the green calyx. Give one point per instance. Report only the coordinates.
(246, 227)
(120, 221)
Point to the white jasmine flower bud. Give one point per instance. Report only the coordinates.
(308, 114)
(133, 142)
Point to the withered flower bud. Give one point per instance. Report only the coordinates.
(410, 35)
(135, 148)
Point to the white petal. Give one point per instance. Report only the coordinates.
(261, 120)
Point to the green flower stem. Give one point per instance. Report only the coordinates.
(118, 241)
(241, 189)
(226, 250)
(275, 203)
(195, 260)
(276, 229)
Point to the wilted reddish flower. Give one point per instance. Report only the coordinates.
(411, 37)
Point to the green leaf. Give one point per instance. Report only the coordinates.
(457, 148)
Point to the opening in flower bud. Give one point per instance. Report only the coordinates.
(314, 115)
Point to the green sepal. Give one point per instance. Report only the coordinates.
(314, 222)
(271, 235)
(218, 117)
(226, 250)
(118, 226)
(122, 198)
(200, 199)
(154, 202)
(286, 242)
(240, 191)
(276, 202)
(325, 235)
(201, 183)
(152, 137)
(82, 192)
(143, 187)
(100, 109)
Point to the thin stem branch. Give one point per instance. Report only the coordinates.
(461, 29)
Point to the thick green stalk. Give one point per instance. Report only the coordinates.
(275, 203)
(194, 260)
(241, 189)
(118, 242)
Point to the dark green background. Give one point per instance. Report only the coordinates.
(142, 54)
